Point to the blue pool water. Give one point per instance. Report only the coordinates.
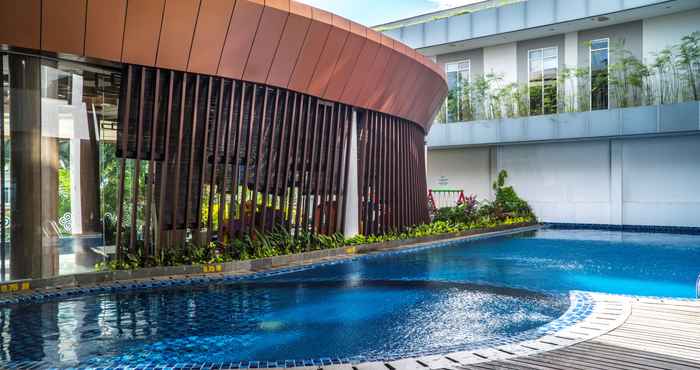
(393, 304)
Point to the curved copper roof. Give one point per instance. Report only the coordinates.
(276, 42)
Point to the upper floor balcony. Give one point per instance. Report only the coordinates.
(643, 120)
(615, 95)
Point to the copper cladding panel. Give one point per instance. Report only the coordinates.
(388, 100)
(142, 30)
(310, 53)
(421, 105)
(381, 84)
(105, 29)
(239, 40)
(360, 72)
(179, 20)
(400, 92)
(344, 67)
(288, 51)
(20, 23)
(327, 61)
(63, 26)
(209, 36)
(425, 106)
(411, 92)
(278, 42)
(272, 24)
(374, 74)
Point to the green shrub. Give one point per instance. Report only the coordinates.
(508, 203)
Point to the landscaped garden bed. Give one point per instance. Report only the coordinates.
(279, 249)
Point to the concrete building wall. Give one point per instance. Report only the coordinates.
(661, 32)
(629, 35)
(502, 60)
(661, 181)
(635, 181)
(468, 169)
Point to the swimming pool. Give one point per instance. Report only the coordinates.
(378, 306)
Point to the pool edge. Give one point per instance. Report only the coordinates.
(70, 286)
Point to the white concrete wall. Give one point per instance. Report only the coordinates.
(664, 31)
(467, 169)
(502, 60)
(661, 181)
(640, 181)
(562, 181)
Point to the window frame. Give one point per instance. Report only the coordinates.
(590, 70)
(529, 83)
(469, 79)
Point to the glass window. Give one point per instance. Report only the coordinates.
(59, 122)
(543, 68)
(600, 53)
(457, 80)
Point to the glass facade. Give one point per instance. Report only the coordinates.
(457, 81)
(600, 54)
(58, 159)
(542, 88)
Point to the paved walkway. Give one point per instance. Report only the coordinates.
(621, 333)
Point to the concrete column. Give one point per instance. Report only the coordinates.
(352, 215)
(494, 168)
(571, 61)
(616, 212)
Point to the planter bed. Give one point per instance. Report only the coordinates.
(247, 266)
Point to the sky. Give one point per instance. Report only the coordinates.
(375, 12)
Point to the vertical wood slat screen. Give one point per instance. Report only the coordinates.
(391, 165)
(214, 157)
(210, 156)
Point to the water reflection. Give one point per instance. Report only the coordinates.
(267, 321)
(59, 122)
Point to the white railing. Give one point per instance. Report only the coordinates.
(697, 288)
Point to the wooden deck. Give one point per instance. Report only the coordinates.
(656, 335)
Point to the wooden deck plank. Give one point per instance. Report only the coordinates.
(652, 338)
(640, 345)
(559, 363)
(604, 348)
(682, 337)
(682, 348)
(629, 361)
(588, 362)
(637, 357)
(545, 363)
